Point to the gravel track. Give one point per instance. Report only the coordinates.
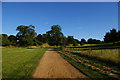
(52, 65)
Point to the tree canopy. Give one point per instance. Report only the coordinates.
(26, 35)
(5, 41)
(13, 40)
(112, 36)
(55, 35)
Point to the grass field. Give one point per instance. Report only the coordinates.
(20, 62)
(96, 61)
(106, 52)
(108, 55)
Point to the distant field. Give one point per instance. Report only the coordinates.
(20, 62)
(106, 52)
(111, 55)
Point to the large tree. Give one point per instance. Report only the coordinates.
(90, 41)
(5, 41)
(44, 38)
(70, 40)
(54, 35)
(107, 37)
(83, 41)
(25, 35)
(111, 36)
(13, 40)
(64, 41)
(39, 38)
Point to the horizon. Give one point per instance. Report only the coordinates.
(78, 19)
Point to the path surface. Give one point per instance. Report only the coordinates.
(52, 65)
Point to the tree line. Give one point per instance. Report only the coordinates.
(27, 36)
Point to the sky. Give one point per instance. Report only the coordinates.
(60, 0)
(78, 19)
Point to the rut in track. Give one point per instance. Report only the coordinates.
(52, 65)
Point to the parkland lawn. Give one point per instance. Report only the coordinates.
(20, 62)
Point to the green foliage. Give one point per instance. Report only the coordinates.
(13, 40)
(75, 43)
(118, 36)
(64, 41)
(26, 35)
(83, 41)
(93, 41)
(39, 38)
(112, 36)
(5, 41)
(70, 39)
(54, 35)
(44, 38)
(37, 42)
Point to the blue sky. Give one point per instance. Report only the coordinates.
(78, 19)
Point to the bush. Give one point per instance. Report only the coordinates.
(81, 43)
(75, 44)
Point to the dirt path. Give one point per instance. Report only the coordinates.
(52, 65)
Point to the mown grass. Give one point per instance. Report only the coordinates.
(20, 62)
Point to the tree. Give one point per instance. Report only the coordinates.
(118, 35)
(54, 35)
(44, 37)
(64, 41)
(111, 36)
(93, 41)
(75, 43)
(70, 39)
(83, 40)
(26, 35)
(5, 41)
(81, 43)
(107, 37)
(37, 42)
(89, 41)
(40, 38)
(13, 40)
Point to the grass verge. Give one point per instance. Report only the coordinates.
(20, 62)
